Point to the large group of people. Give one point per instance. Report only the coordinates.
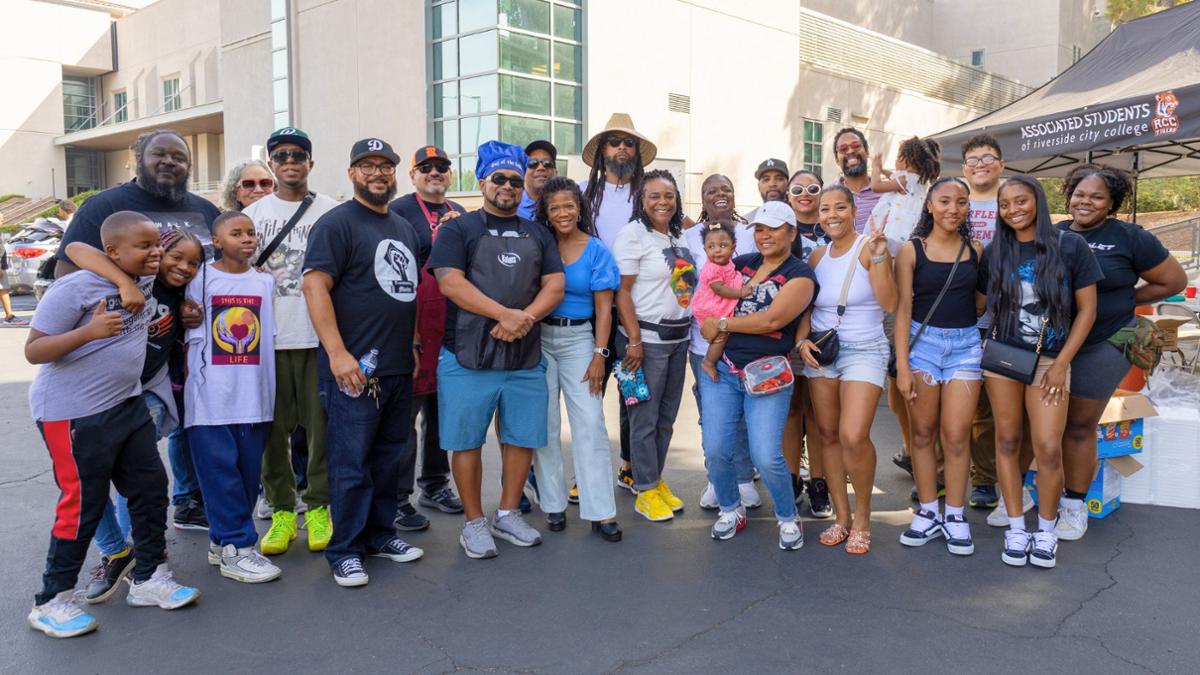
(300, 355)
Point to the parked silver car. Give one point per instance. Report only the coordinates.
(29, 249)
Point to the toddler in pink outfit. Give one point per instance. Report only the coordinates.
(720, 287)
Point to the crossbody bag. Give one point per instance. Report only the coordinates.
(827, 340)
(287, 229)
(932, 309)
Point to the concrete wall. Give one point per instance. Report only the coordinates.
(38, 41)
(908, 20)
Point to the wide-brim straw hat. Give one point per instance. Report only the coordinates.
(623, 123)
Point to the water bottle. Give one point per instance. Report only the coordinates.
(367, 364)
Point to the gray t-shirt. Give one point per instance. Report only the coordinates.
(101, 373)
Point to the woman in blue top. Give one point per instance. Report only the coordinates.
(575, 353)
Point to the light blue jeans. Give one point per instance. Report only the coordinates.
(112, 533)
(723, 405)
(742, 466)
(568, 352)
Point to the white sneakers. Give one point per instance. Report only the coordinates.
(246, 565)
(1072, 523)
(161, 590)
(61, 617)
(999, 515)
(746, 491)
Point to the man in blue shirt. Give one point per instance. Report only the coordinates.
(540, 168)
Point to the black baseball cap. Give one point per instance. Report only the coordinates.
(373, 147)
(542, 145)
(772, 165)
(289, 135)
(429, 152)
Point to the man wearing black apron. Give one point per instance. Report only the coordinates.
(501, 276)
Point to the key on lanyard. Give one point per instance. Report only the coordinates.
(373, 390)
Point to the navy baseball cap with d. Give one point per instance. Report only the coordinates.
(373, 147)
(289, 135)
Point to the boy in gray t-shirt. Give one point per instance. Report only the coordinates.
(85, 401)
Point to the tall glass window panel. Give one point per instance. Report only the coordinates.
(530, 15)
(568, 138)
(567, 24)
(478, 95)
(477, 53)
(120, 106)
(475, 130)
(280, 88)
(520, 94)
(278, 10)
(171, 98)
(524, 54)
(476, 14)
(813, 138)
(79, 103)
(282, 119)
(568, 62)
(445, 136)
(467, 182)
(567, 102)
(445, 60)
(523, 130)
(445, 20)
(445, 99)
(279, 35)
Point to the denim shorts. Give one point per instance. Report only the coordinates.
(468, 399)
(864, 361)
(944, 354)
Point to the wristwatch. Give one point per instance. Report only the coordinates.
(723, 324)
(602, 351)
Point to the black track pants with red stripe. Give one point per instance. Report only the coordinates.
(115, 446)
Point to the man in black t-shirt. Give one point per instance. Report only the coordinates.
(360, 282)
(159, 192)
(501, 275)
(427, 209)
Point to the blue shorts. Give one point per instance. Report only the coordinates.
(468, 400)
(864, 361)
(944, 354)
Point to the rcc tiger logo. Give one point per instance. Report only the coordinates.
(1165, 121)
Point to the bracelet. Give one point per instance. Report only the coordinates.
(876, 259)
(633, 344)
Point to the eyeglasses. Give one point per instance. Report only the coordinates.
(285, 156)
(544, 163)
(849, 147)
(618, 141)
(500, 180)
(371, 169)
(797, 190)
(262, 183)
(986, 160)
(441, 167)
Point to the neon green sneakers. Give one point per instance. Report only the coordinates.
(320, 529)
(281, 534)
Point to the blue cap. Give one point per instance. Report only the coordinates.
(497, 155)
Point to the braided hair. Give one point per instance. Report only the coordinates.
(675, 227)
(594, 196)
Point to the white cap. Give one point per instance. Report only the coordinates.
(774, 215)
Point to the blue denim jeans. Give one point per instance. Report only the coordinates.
(742, 466)
(725, 404)
(364, 442)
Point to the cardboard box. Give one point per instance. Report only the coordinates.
(1104, 494)
(1169, 324)
(1121, 430)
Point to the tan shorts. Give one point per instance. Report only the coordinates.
(1044, 363)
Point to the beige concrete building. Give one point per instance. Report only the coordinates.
(718, 84)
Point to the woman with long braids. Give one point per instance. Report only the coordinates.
(847, 390)
(1041, 290)
(658, 278)
(1127, 254)
(938, 363)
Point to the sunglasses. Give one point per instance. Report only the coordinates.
(262, 183)
(986, 160)
(285, 156)
(440, 167)
(544, 163)
(797, 190)
(618, 141)
(848, 147)
(501, 180)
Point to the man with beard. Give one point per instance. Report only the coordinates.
(360, 281)
(618, 155)
(427, 208)
(159, 192)
(541, 167)
(772, 177)
(283, 221)
(502, 275)
(850, 151)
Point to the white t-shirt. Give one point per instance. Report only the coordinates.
(293, 327)
(616, 209)
(694, 236)
(666, 278)
(231, 356)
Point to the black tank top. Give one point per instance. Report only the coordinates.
(957, 309)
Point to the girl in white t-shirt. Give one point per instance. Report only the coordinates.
(918, 164)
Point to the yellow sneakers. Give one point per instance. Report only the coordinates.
(673, 502)
(651, 505)
(320, 529)
(281, 534)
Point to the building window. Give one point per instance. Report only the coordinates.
(977, 58)
(505, 69)
(1076, 53)
(120, 106)
(814, 133)
(171, 98)
(281, 66)
(85, 170)
(79, 103)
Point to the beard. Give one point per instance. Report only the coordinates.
(171, 192)
(363, 191)
(856, 170)
(622, 168)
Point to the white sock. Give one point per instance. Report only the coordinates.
(953, 510)
(500, 513)
(1072, 504)
(1016, 523)
(931, 507)
(1045, 525)
(960, 530)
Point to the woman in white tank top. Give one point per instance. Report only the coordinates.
(846, 392)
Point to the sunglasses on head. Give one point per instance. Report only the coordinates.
(986, 160)
(618, 141)
(797, 190)
(544, 163)
(285, 156)
(264, 183)
(501, 180)
(441, 167)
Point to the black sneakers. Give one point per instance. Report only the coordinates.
(106, 576)
(190, 516)
(818, 498)
(409, 519)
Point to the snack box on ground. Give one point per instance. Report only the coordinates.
(1104, 494)
(1121, 430)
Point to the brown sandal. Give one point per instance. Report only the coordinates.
(834, 535)
(859, 542)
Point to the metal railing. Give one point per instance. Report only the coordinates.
(1192, 228)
